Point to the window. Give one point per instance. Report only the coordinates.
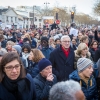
(11, 19)
(35, 19)
(39, 20)
(15, 19)
(7, 18)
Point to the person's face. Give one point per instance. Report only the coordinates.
(94, 45)
(9, 46)
(12, 69)
(80, 36)
(65, 43)
(73, 42)
(98, 35)
(46, 71)
(79, 95)
(25, 50)
(58, 42)
(37, 36)
(44, 43)
(14, 50)
(84, 51)
(31, 56)
(86, 41)
(87, 72)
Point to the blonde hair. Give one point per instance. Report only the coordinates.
(38, 55)
(10, 43)
(81, 47)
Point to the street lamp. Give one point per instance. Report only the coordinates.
(46, 3)
(33, 14)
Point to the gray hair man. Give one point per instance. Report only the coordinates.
(62, 59)
(68, 90)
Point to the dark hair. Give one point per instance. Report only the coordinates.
(26, 39)
(56, 39)
(93, 43)
(8, 57)
(27, 46)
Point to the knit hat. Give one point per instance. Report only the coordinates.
(18, 48)
(83, 63)
(44, 38)
(43, 63)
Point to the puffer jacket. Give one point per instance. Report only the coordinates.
(43, 86)
(90, 92)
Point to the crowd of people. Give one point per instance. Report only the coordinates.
(50, 64)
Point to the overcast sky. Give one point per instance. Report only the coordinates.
(84, 6)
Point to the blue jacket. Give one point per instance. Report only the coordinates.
(43, 87)
(46, 51)
(62, 65)
(32, 69)
(27, 94)
(90, 92)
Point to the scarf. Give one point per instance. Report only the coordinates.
(16, 87)
(66, 52)
(86, 80)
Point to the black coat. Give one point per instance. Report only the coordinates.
(26, 95)
(62, 66)
(43, 87)
(97, 55)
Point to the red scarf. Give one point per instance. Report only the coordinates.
(66, 52)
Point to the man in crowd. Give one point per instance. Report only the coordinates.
(83, 75)
(44, 80)
(62, 59)
(68, 90)
(46, 50)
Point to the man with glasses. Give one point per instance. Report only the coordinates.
(62, 59)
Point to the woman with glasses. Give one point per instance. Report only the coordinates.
(15, 84)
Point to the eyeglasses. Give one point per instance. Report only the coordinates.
(10, 68)
(66, 41)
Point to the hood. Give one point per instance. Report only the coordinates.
(76, 54)
(18, 48)
(74, 76)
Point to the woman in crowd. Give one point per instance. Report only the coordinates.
(93, 48)
(81, 52)
(26, 49)
(9, 46)
(35, 56)
(15, 84)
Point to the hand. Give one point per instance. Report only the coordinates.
(50, 77)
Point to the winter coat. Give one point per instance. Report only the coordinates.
(46, 51)
(97, 55)
(77, 56)
(90, 92)
(32, 69)
(62, 65)
(43, 87)
(27, 94)
(92, 51)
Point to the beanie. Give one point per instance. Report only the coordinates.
(83, 63)
(43, 63)
(18, 48)
(44, 38)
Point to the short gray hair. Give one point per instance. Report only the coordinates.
(65, 36)
(64, 90)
